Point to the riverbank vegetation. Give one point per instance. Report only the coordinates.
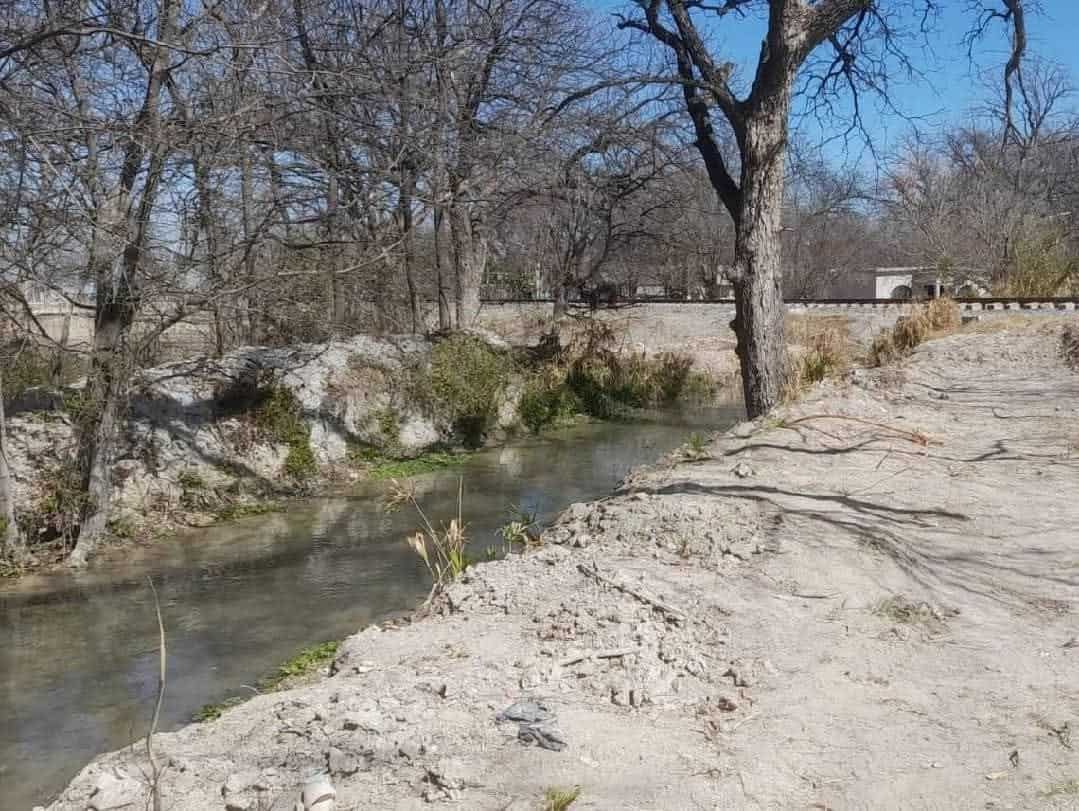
(239, 433)
(288, 674)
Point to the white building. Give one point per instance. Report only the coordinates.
(928, 282)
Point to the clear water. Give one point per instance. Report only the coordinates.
(78, 651)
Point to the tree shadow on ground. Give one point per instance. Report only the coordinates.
(931, 546)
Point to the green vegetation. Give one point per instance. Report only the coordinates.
(211, 712)
(592, 376)
(280, 417)
(303, 663)
(465, 379)
(382, 468)
(546, 400)
(123, 528)
(308, 660)
(559, 799)
(520, 530)
(389, 426)
(696, 448)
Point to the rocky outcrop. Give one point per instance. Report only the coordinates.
(197, 430)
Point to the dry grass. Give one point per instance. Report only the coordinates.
(1069, 346)
(930, 320)
(443, 551)
(559, 799)
(822, 349)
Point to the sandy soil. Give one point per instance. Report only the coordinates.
(867, 601)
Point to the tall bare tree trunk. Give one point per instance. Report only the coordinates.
(408, 243)
(470, 259)
(11, 544)
(116, 294)
(759, 320)
(445, 314)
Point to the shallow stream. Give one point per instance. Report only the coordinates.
(78, 651)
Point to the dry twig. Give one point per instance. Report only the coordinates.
(644, 598)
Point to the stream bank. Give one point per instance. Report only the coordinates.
(866, 600)
(242, 597)
(217, 439)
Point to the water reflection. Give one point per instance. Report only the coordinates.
(78, 659)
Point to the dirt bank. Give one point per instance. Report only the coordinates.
(867, 601)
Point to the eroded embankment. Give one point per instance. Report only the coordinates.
(867, 601)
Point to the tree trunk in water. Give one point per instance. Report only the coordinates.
(759, 311)
(11, 546)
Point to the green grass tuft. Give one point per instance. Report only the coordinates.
(559, 799)
(306, 661)
(382, 468)
(211, 712)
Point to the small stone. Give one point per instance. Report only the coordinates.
(744, 430)
(409, 749)
(238, 782)
(339, 762)
(116, 791)
(581, 540)
(726, 704)
(743, 471)
(449, 773)
(368, 721)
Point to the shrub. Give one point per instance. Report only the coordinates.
(1043, 267)
(559, 799)
(943, 315)
(925, 321)
(883, 351)
(545, 400)
(465, 378)
(58, 510)
(27, 366)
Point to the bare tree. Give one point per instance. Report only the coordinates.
(760, 121)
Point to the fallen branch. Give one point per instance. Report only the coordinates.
(598, 654)
(644, 598)
(914, 437)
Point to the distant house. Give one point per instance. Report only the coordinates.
(908, 282)
(928, 282)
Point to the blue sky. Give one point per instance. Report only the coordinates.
(952, 86)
